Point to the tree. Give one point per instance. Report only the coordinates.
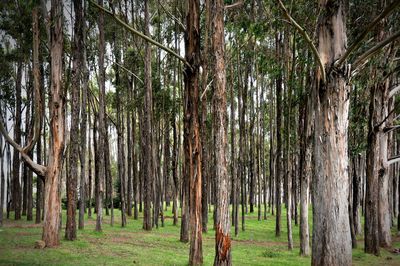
(222, 221)
(192, 170)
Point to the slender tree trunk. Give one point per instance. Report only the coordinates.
(278, 163)
(147, 145)
(70, 229)
(16, 186)
(101, 124)
(83, 123)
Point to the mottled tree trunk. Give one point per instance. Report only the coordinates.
(278, 162)
(52, 208)
(70, 229)
(331, 232)
(222, 221)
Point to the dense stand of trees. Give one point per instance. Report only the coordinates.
(275, 106)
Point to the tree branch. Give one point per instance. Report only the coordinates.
(138, 33)
(40, 170)
(372, 51)
(389, 9)
(306, 38)
(393, 160)
(390, 128)
(393, 91)
(231, 6)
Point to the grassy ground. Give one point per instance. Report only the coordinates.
(131, 245)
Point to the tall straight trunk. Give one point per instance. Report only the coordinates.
(192, 148)
(278, 162)
(2, 179)
(288, 173)
(234, 175)
(70, 229)
(109, 178)
(16, 186)
(222, 221)
(83, 123)
(331, 232)
(134, 166)
(101, 124)
(305, 174)
(52, 201)
(129, 162)
(377, 215)
(39, 184)
(203, 126)
(242, 144)
(147, 145)
(89, 191)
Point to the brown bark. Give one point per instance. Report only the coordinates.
(147, 145)
(278, 162)
(57, 125)
(70, 229)
(222, 221)
(331, 233)
(192, 146)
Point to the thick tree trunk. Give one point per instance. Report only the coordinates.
(52, 206)
(331, 232)
(192, 146)
(222, 221)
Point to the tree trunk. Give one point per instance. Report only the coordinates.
(331, 233)
(52, 207)
(222, 232)
(70, 229)
(278, 163)
(83, 124)
(101, 124)
(16, 187)
(192, 146)
(147, 145)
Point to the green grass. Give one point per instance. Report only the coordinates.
(133, 246)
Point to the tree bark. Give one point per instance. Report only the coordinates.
(101, 124)
(331, 233)
(222, 221)
(147, 145)
(52, 207)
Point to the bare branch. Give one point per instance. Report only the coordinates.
(372, 51)
(393, 91)
(138, 33)
(231, 6)
(173, 17)
(393, 160)
(389, 9)
(306, 38)
(391, 128)
(130, 72)
(40, 170)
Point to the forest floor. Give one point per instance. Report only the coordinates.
(133, 246)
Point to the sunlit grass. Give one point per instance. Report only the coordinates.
(257, 245)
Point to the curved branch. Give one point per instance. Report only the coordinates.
(138, 33)
(389, 9)
(393, 91)
(372, 51)
(40, 170)
(306, 38)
